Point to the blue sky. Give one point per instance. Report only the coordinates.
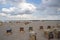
(34, 1)
(29, 9)
(4, 6)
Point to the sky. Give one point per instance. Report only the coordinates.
(29, 10)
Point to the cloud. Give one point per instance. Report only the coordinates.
(11, 1)
(28, 17)
(47, 10)
(22, 17)
(2, 1)
(50, 7)
(27, 6)
(17, 17)
(51, 3)
(2, 14)
(21, 8)
(6, 10)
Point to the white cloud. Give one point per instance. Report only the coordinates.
(51, 3)
(2, 1)
(14, 13)
(2, 14)
(27, 6)
(27, 17)
(48, 10)
(6, 10)
(11, 1)
(17, 17)
(50, 7)
(21, 8)
(21, 17)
